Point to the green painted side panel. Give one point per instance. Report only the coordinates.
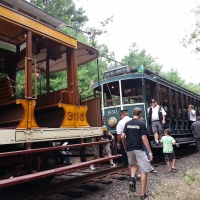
(130, 110)
(112, 112)
(115, 112)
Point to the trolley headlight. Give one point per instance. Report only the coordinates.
(112, 121)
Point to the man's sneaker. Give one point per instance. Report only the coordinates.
(138, 177)
(155, 143)
(153, 170)
(92, 167)
(143, 197)
(128, 178)
(113, 165)
(132, 185)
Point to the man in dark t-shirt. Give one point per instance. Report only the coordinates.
(136, 133)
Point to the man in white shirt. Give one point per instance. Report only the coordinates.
(120, 127)
(157, 118)
(191, 116)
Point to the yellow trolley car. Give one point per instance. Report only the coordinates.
(30, 41)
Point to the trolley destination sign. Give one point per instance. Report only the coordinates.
(115, 71)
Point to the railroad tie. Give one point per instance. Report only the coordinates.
(106, 182)
(72, 193)
(89, 187)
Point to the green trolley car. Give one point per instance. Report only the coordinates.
(124, 88)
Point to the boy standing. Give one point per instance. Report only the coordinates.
(168, 151)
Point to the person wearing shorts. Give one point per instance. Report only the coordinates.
(136, 133)
(157, 118)
(106, 147)
(168, 150)
(146, 151)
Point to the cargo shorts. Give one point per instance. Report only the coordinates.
(106, 148)
(156, 127)
(139, 158)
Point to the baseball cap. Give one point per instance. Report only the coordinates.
(153, 100)
(123, 112)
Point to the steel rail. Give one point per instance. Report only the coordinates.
(31, 151)
(51, 172)
(36, 192)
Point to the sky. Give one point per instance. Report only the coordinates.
(157, 26)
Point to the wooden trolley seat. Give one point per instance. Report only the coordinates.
(51, 99)
(54, 110)
(6, 91)
(10, 113)
(47, 112)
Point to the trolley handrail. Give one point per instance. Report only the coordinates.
(35, 79)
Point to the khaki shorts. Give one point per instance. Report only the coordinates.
(139, 157)
(156, 127)
(106, 148)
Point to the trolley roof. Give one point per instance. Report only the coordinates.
(14, 25)
(132, 74)
(33, 11)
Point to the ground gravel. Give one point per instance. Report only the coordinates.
(119, 190)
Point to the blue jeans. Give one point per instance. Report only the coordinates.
(66, 158)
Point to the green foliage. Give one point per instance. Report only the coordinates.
(90, 71)
(95, 32)
(67, 11)
(2, 75)
(193, 87)
(108, 20)
(192, 38)
(20, 81)
(76, 18)
(138, 57)
(58, 8)
(189, 179)
(173, 76)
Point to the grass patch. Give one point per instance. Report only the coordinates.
(186, 188)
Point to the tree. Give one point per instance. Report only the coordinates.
(193, 87)
(94, 32)
(173, 76)
(65, 10)
(193, 37)
(90, 70)
(76, 18)
(138, 57)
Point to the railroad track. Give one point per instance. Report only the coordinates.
(63, 186)
(74, 183)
